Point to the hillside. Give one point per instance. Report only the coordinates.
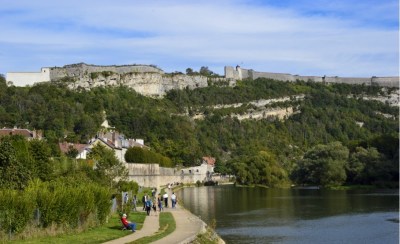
(270, 122)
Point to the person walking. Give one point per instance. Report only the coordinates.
(144, 202)
(165, 196)
(159, 202)
(173, 200)
(155, 206)
(148, 205)
(134, 203)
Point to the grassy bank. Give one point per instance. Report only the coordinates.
(109, 231)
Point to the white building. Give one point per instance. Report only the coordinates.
(28, 78)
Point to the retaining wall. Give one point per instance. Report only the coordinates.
(152, 175)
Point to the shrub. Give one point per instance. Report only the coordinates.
(139, 155)
(15, 210)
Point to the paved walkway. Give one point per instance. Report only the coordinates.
(150, 226)
(187, 226)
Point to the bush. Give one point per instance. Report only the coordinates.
(15, 210)
(58, 202)
(144, 156)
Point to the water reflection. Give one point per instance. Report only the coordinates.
(258, 215)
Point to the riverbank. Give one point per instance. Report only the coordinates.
(204, 234)
(188, 228)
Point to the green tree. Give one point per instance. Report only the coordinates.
(40, 152)
(13, 174)
(107, 167)
(323, 165)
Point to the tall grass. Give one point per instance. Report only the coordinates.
(55, 205)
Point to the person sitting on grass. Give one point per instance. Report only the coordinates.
(128, 225)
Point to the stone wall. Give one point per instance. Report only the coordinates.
(152, 81)
(239, 73)
(152, 175)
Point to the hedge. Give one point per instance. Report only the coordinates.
(55, 202)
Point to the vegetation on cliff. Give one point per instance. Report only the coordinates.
(270, 151)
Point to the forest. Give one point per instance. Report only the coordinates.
(319, 144)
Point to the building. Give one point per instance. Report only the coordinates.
(30, 135)
(82, 149)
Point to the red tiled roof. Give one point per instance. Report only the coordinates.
(64, 147)
(209, 160)
(22, 132)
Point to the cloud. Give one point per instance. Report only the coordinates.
(344, 38)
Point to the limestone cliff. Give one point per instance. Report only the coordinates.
(144, 79)
(147, 84)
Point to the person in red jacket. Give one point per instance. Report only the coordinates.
(128, 224)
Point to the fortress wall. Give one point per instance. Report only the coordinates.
(307, 78)
(385, 81)
(231, 73)
(28, 78)
(348, 80)
(275, 76)
(246, 73)
(157, 181)
(151, 175)
(143, 169)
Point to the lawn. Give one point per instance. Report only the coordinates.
(109, 231)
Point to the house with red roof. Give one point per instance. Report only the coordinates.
(28, 134)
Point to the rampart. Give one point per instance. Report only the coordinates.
(152, 175)
(239, 74)
(150, 80)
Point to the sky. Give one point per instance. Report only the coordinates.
(346, 38)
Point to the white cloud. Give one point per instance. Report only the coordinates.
(327, 37)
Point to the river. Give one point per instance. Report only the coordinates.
(261, 215)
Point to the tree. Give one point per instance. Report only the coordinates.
(40, 153)
(72, 152)
(107, 166)
(261, 168)
(205, 71)
(323, 165)
(13, 174)
(189, 71)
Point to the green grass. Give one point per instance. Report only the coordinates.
(167, 226)
(109, 231)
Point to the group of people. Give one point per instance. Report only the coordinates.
(149, 203)
(154, 203)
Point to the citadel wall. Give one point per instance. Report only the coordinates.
(152, 81)
(239, 73)
(152, 175)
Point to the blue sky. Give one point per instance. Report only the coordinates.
(305, 37)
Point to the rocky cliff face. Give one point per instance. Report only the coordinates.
(148, 84)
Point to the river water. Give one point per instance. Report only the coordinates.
(260, 215)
